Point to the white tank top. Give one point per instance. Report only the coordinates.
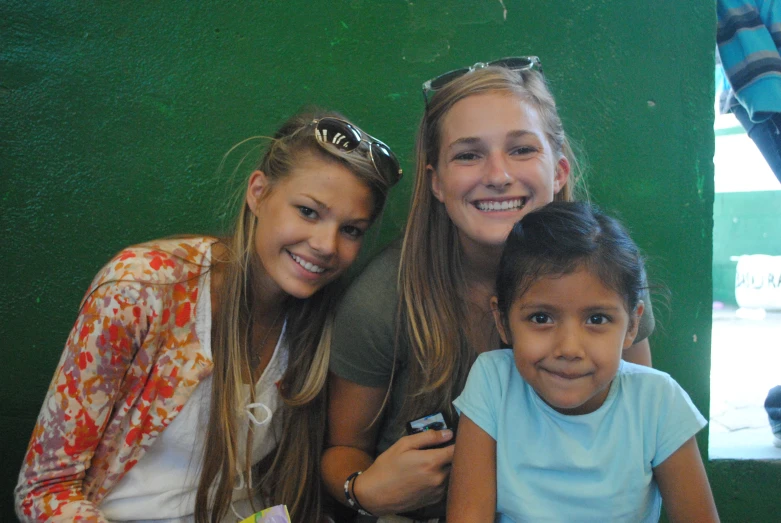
(161, 487)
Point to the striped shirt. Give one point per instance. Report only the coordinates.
(749, 45)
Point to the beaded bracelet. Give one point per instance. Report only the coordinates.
(349, 494)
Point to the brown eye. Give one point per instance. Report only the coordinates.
(540, 317)
(598, 319)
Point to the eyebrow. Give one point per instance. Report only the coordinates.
(548, 306)
(471, 140)
(318, 203)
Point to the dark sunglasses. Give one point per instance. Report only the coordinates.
(337, 135)
(514, 63)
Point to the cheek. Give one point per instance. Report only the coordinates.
(524, 366)
(455, 182)
(348, 252)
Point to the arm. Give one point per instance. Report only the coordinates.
(472, 494)
(684, 486)
(404, 477)
(76, 410)
(639, 353)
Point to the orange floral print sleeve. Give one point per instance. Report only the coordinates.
(130, 363)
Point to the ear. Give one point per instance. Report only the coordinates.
(256, 185)
(634, 325)
(503, 333)
(562, 174)
(436, 189)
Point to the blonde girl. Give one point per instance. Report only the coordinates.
(490, 148)
(194, 372)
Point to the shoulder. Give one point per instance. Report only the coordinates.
(654, 391)
(374, 293)
(495, 366)
(641, 371)
(382, 271)
(489, 389)
(634, 373)
(498, 359)
(167, 260)
(665, 410)
(646, 379)
(364, 332)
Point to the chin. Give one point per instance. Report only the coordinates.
(302, 292)
(496, 241)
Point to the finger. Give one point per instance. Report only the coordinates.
(443, 456)
(428, 438)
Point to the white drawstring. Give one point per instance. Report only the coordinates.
(268, 414)
(239, 516)
(252, 417)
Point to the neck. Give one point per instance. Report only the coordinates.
(480, 263)
(268, 300)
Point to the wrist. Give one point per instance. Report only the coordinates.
(350, 495)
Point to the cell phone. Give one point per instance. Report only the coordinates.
(431, 422)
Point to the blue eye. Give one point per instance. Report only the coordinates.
(307, 212)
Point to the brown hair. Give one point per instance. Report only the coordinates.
(432, 291)
(292, 476)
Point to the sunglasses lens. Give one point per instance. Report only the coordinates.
(338, 134)
(441, 81)
(521, 62)
(385, 161)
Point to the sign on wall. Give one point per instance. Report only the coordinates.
(758, 281)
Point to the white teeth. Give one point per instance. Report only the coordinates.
(311, 267)
(506, 205)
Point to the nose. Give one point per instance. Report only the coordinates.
(324, 240)
(496, 172)
(569, 344)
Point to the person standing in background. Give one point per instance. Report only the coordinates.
(749, 47)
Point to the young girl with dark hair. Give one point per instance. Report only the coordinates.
(558, 427)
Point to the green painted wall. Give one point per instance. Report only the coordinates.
(114, 117)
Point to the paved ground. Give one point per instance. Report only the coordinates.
(745, 364)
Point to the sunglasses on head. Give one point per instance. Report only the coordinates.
(513, 63)
(338, 136)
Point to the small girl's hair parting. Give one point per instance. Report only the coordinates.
(559, 239)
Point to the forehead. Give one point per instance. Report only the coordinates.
(488, 116)
(578, 289)
(327, 181)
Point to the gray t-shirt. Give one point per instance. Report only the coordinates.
(364, 338)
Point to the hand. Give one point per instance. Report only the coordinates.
(408, 475)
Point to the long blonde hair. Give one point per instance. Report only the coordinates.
(432, 291)
(291, 474)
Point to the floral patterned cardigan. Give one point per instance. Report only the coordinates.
(130, 363)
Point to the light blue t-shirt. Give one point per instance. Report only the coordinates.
(593, 467)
